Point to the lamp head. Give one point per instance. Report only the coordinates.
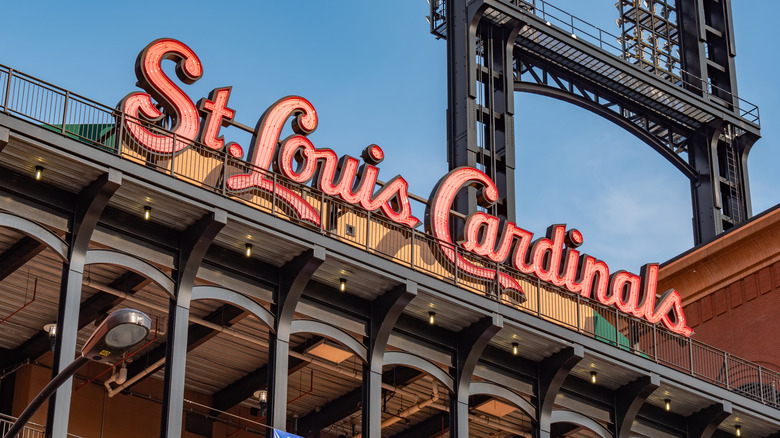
(122, 330)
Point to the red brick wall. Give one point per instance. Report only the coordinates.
(743, 318)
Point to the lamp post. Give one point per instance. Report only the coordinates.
(120, 331)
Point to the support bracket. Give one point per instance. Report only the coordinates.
(629, 399)
(553, 371)
(471, 341)
(705, 422)
(385, 311)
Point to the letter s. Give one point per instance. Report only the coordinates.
(185, 121)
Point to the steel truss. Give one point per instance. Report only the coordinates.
(672, 85)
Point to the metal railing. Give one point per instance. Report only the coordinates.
(31, 430)
(604, 40)
(583, 31)
(103, 128)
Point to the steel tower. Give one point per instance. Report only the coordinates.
(668, 78)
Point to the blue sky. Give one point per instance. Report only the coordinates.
(376, 75)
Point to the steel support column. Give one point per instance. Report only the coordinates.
(385, 311)
(194, 244)
(721, 196)
(481, 101)
(293, 278)
(553, 371)
(629, 399)
(89, 205)
(703, 423)
(471, 341)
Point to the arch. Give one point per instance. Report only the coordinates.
(140, 267)
(235, 298)
(327, 330)
(414, 361)
(565, 416)
(647, 138)
(476, 388)
(35, 231)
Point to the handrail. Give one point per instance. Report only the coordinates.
(30, 430)
(93, 124)
(579, 27)
(582, 30)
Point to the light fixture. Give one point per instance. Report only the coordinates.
(51, 330)
(38, 173)
(262, 397)
(249, 250)
(120, 331)
(330, 351)
(515, 347)
(147, 213)
(431, 318)
(667, 405)
(593, 377)
(738, 430)
(342, 284)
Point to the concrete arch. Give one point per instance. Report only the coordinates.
(565, 416)
(327, 330)
(140, 267)
(234, 298)
(416, 362)
(476, 388)
(35, 231)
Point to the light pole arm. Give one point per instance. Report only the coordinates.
(44, 395)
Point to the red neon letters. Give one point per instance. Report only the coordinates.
(184, 115)
(553, 259)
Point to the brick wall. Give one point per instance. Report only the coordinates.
(742, 318)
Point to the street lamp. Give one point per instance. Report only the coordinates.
(120, 331)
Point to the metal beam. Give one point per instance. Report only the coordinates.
(243, 388)
(193, 246)
(225, 315)
(89, 206)
(629, 400)
(91, 309)
(471, 342)
(385, 311)
(5, 134)
(553, 371)
(350, 402)
(703, 423)
(293, 277)
(437, 425)
(18, 254)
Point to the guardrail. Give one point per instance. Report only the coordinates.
(606, 41)
(101, 127)
(31, 430)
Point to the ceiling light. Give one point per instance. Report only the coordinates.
(249, 250)
(738, 430)
(342, 284)
(431, 318)
(667, 405)
(593, 377)
(515, 347)
(38, 172)
(496, 408)
(147, 213)
(329, 351)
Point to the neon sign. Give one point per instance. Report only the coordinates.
(553, 259)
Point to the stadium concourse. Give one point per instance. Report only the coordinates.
(292, 291)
